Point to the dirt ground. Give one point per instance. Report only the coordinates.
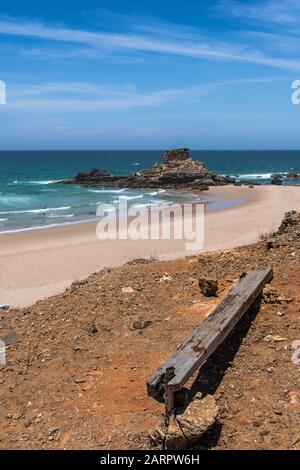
(77, 363)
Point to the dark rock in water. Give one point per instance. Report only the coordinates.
(203, 187)
(277, 181)
(94, 173)
(293, 175)
(208, 287)
(178, 170)
(250, 182)
(276, 175)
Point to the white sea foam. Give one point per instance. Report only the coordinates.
(36, 211)
(130, 198)
(13, 199)
(66, 216)
(3, 220)
(113, 191)
(162, 201)
(43, 182)
(256, 176)
(155, 193)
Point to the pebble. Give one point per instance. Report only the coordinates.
(166, 279)
(53, 430)
(277, 410)
(141, 325)
(128, 290)
(79, 381)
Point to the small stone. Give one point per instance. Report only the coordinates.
(277, 409)
(199, 416)
(293, 397)
(187, 426)
(79, 381)
(270, 295)
(284, 299)
(141, 325)
(208, 287)
(128, 290)
(53, 430)
(274, 338)
(166, 279)
(115, 333)
(92, 329)
(264, 432)
(193, 282)
(87, 387)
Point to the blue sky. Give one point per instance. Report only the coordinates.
(150, 74)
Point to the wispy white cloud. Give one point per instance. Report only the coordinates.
(46, 53)
(88, 97)
(183, 44)
(267, 11)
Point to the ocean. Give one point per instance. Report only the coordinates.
(30, 197)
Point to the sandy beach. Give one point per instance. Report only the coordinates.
(38, 264)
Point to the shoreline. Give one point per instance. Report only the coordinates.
(221, 202)
(41, 263)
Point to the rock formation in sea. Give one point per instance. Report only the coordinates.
(178, 170)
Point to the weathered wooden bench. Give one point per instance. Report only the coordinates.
(180, 366)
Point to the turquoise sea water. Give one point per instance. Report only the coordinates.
(30, 197)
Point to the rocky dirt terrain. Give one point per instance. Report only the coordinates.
(77, 363)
